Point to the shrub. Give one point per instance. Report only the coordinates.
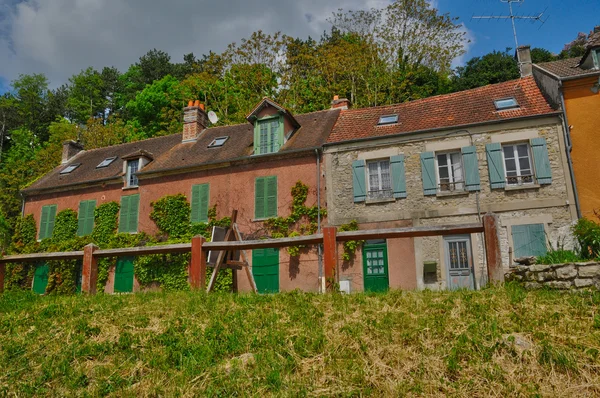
(587, 233)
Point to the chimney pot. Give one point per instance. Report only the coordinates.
(202, 106)
(191, 103)
(336, 97)
(197, 103)
(524, 60)
(195, 120)
(70, 149)
(341, 103)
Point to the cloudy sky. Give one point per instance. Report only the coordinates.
(62, 37)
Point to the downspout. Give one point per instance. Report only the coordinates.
(319, 246)
(567, 132)
(22, 204)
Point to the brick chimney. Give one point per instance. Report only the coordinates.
(338, 102)
(195, 121)
(524, 60)
(70, 149)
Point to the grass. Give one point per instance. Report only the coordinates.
(295, 344)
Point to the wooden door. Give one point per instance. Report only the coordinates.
(459, 262)
(40, 278)
(375, 267)
(124, 275)
(265, 269)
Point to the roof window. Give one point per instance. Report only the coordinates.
(387, 119)
(506, 103)
(217, 142)
(106, 162)
(70, 168)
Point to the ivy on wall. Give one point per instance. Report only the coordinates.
(350, 246)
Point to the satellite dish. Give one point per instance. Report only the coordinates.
(213, 117)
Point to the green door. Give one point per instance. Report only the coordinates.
(124, 275)
(265, 269)
(40, 278)
(375, 267)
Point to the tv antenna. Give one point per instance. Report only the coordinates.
(531, 18)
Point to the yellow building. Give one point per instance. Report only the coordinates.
(574, 85)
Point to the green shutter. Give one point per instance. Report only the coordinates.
(86, 217)
(134, 208)
(543, 172)
(47, 222)
(398, 176)
(280, 133)
(124, 214)
(529, 240)
(43, 223)
(200, 199)
(428, 173)
(257, 137)
(259, 198)
(495, 162)
(271, 196)
(358, 181)
(469, 154)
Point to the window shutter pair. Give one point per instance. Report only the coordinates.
(47, 221)
(86, 217)
(200, 199)
(265, 197)
(398, 176)
(470, 169)
(529, 240)
(539, 149)
(128, 217)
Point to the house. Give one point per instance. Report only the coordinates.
(250, 167)
(445, 160)
(572, 85)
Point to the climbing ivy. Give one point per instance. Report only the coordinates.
(350, 246)
(65, 226)
(106, 218)
(171, 214)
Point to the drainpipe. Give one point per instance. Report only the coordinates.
(22, 204)
(320, 246)
(567, 132)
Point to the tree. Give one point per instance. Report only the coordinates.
(86, 96)
(539, 55)
(31, 92)
(154, 65)
(495, 67)
(9, 119)
(112, 85)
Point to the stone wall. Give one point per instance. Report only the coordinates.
(557, 276)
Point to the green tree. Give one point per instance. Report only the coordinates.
(539, 55)
(86, 95)
(31, 92)
(495, 67)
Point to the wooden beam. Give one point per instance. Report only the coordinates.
(247, 268)
(493, 252)
(77, 255)
(265, 243)
(330, 254)
(221, 258)
(410, 232)
(89, 272)
(197, 267)
(145, 250)
(2, 276)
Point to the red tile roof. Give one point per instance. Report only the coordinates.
(443, 111)
(567, 68)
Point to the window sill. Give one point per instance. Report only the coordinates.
(130, 188)
(375, 201)
(521, 187)
(451, 193)
(262, 219)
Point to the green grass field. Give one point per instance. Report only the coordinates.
(296, 344)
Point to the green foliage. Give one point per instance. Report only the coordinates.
(25, 233)
(65, 226)
(587, 233)
(4, 234)
(171, 214)
(495, 67)
(350, 246)
(559, 257)
(170, 271)
(106, 219)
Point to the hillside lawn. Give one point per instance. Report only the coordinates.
(501, 341)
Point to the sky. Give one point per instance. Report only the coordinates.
(61, 37)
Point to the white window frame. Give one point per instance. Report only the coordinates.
(128, 173)
(381, 192)
(452, 184)
(519, 176)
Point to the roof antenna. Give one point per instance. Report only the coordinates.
(213, 117)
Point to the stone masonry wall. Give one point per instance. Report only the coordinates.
(557, 276)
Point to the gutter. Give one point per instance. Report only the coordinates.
(566, 78)
(34, 191)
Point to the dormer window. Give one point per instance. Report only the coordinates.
(217, 142)
(596, 58)
(106, 162)
(268, 135)
(132, 167)
(70, 168)
(506, 103)
(387, 119)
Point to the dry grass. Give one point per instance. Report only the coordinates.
(497, 342)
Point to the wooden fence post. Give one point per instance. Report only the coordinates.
(2, 274)
(329, 253)
(89, 273)
(492, 248)
(197, 268)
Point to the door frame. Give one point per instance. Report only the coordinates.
(458, 238)
(382, 245)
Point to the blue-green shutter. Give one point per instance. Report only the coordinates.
(543, 172)
(471, 165)
(495, 162)
(47, 221)
(358, 181)
(428, 173)
(134, 209)
(43, 223)
(257, 137)
(124, 214)
(86, 217)
(271, 197)
(529, 240)
(398, 176)
(259, 197)
(200, 199)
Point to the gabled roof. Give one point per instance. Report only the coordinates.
(251, 117)
(462, 108)
(567, 69)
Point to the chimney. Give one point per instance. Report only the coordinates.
(524, 60)
(342, 103)
(70, 149)
(195, 121)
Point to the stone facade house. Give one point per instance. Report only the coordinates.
(250, 167)
(573, 85)
(447, 160)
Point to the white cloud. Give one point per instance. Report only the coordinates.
(469, 43)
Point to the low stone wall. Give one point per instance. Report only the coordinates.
(557, 276)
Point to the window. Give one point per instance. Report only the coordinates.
(387, 119)
(106, 162)
(268, 136)
(132, 168)
(70, 168)
(450, 172)
(200, 198)
(86, 217)
(47, 221)
(265, 197)
(217, 142)
(128, 216)
(380, 183)
(517, 164)
(528, 240)
(506, 103)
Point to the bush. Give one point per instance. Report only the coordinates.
(559, 257)
(587, 233)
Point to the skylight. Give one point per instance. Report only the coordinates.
(506, 103)
(70, 168)
(217, 142)
(387, 119)
(106, 162)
